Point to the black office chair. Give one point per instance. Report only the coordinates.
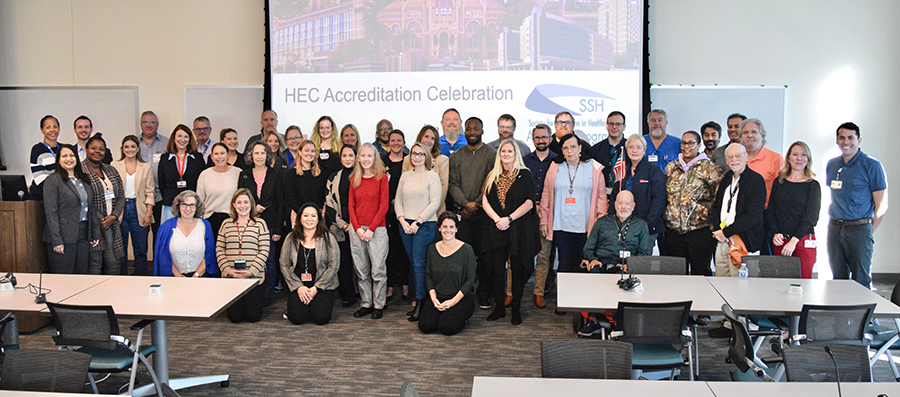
(741, 352)
(885, 338)
(59, 371)
(585, 359)
(834, 324)
(4, 323)
(657, 265)
(654, 330)
(811, 363)
(772, 266)
(96, 330)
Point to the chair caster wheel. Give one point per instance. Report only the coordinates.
(224, 383)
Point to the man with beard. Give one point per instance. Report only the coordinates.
(538, 162)
(734, 136)
(759, 158)
(84, 127)
(710, 132)
(506, 129)
(661, 147)
(469, 166)
(450, 141)
(608, 151)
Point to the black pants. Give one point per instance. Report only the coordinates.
(521, 268)
(695, 246)
(74, 259)
(318, 311)
(249, 308)
(345, 272)
(157, 215)
(215, 220)
(469, 231)
(448, 322)
(397, 260)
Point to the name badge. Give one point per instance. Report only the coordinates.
(836, 184)
(324, 156)
(306, 277)
(570, 200)
(652, 158)
(809, 243)
(156, 157)
(109, 195)
(608, 191)
(181, 184)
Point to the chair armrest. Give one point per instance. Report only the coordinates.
(780, 323)
(616, 334)
(141, 324)
(798, 337)
(772, 360)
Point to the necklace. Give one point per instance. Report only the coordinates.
(572, 176)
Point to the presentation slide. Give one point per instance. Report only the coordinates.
(360, 61)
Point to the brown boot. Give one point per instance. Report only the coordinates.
(539, 301)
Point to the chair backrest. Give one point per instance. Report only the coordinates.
(408, 390)
(741, 348)
(652, 322)
(585, 359)
(835, 324)
(772, 266)
(895, 294)
(89, 326)
(657, 265)
(45, 370)
(811, 363)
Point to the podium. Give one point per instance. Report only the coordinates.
(21, 249)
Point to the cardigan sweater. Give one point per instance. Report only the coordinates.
(418, 196)
(253, 248)
(522, 236)
(749, 205)
(271, 197)
(328, 261)
(599, 202)
(162, 258)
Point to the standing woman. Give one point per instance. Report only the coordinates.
(139, 201)
(416, 203)
(440, 163)
(648, 185)
(43, 156)
(350, 136)
(287, 159)
(329, 145)
(265, 185)
(450, 279)
(574, 198)
(794, 208)
(309, 263)
(179, 168)
(73, 226)
(306, 182)
(109, 198)
(508, 201)
(398, 263)
(216, 185)
(242, 248)
(274, 143)
(186, 244)
(229, 137)
(339, 217)
(367, 205)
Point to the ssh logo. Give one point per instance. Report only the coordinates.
(541, 99)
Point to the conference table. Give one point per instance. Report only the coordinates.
(182, 299)
(599, 292)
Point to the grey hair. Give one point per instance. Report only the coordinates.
(176, 204)
(149, 113)
(762, 130)
(739, 146)
(636, 138)
(248, 157)
(658, 111)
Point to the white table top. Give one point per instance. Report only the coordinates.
(183, 298)
(770, 295)
(61, 286)
(599, 292)
(524, 387)
(798, 389)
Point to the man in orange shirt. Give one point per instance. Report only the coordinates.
(760, 159)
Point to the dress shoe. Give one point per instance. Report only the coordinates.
(539, 301)
(412, 309)
(377, 314)
(497, 314)
(516, 316)
(507, 301)
(416, 310)
(363, 311)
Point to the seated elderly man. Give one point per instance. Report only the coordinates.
(611, 236)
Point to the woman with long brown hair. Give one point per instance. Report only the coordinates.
(310, 260)
(241, 251)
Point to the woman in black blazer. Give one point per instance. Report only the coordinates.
(648, 185)
(264, 183)
(179, 168)
(73, 226)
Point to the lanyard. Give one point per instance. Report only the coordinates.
(839, 174)
(241, 230)
(732, 190)
(623, 228)
(572, 176)
(51, 149)
(181, 164)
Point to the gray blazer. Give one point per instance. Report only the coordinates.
(328, 260)
(62, 207)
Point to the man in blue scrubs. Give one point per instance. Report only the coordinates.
(661, 147)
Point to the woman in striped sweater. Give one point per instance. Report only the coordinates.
(241, 250)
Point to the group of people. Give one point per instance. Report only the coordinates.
(451, 221)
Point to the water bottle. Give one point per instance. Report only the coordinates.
(743, 272)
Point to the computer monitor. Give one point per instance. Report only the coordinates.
(11, 185)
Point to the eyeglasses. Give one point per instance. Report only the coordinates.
(149, 122)
(202, 129)
(564, 122)
(189, 205)
(383, 129)
(541, 138)
(689, 143)
(616, 124)
(417, 154)
(294, 139)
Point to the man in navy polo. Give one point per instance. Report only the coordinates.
(611, 149)
(662, 148)
(859, 200)
(538, 162)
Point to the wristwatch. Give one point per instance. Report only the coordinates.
(418, 224)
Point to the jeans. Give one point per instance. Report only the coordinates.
(417, 250)
(272, 268)
(131, 225)
(850, 252)
(570, 248)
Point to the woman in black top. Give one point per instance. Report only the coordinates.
(305, 183)
(179, 168)
(450, 278)
(794, 208)
(338, 217)
(328, 142)
(309, 262)
(397, 260)
(265, 185)
(229, 137)
(508, 195)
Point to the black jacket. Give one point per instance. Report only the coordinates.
(271, 196)
(167, 176)
(749, 206)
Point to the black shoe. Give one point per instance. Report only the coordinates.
(349, 303)
(497, 314)
(720, 332)
(484, 303)
(412, 308)
(363, 311)
(516, 316)
(416, 310)
(377, 314)
(404, 297)
(389, 298)
(559, 312)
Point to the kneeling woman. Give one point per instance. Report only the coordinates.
(450, 278)
(241, 249)
(310, 259)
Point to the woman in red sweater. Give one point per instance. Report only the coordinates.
(368, 204)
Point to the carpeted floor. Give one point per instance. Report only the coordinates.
(365, 357)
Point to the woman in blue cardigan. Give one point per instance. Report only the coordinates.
(648, 185)
(186, 244)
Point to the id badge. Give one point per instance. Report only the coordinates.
(240, 264)
(608, 191)
(570, 200)
(181, 184)
(809, 244)
(652, 158)
(836, 184)
(109, 195)
(156, 157)
(323, 156)
(306, 277)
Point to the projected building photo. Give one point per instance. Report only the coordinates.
(333, 36)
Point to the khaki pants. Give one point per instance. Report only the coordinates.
(724, 268)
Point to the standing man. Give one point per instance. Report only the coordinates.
(268, 120)
(202, 129)
(84, 127)
(469, 166)
(734, 136)
(153, 146)
(382, 138)
(710, 131)
(859, 200)
(661, 147)
(610, 152)
(506, 128)
(759, 158)
(450, 123)
(538, 162)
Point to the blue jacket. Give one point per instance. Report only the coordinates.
(648, 185)
(162, 259)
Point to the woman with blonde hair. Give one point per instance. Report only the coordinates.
(328, 142)
(350, 136)
(440, 163)
(368, 202)
(306, 182)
